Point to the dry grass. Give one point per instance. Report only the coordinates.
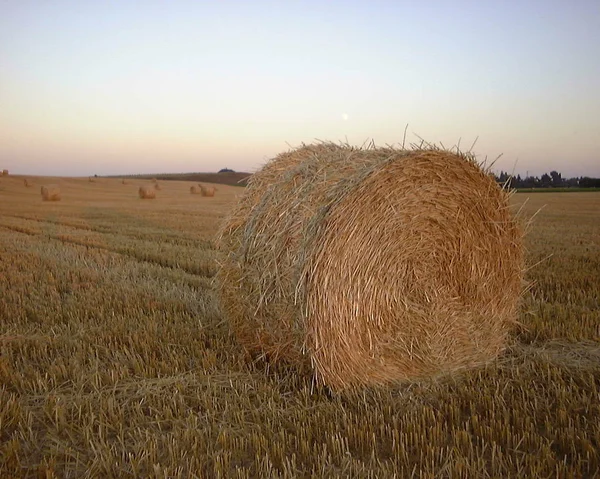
(421, 259)
(50, 193)
(116, 361)
(147, 192)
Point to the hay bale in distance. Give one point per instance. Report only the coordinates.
(147, 192)
(154, 180)
(124, 181)
(50, 193)
(91, 180)
(157, 186)
(207, 190)
(27, 183)
(387, 264)
(195, 190)
(4, 172)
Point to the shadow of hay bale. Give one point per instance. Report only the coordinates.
(372, 265)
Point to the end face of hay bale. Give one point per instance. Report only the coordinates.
(147, 192)
(387, 265)
(50, 193)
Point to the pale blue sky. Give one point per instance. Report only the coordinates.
(90, 87)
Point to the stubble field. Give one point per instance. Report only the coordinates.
(115, 360)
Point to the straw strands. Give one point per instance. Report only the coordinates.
(50, 193)
(369, 266)
(147, 192)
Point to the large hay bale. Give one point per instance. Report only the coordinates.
(207, 190)
(371, 266)
(50, 193)
(195, 190)
(147, 192)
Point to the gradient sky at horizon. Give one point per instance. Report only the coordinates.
(148, 87)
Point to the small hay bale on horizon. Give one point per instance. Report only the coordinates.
(207, 190)
(50, 193)
(388, 264)
(147, 192)
(4, 172)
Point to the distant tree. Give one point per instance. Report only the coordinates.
(556, 178)
(226, 170)
(546, 180)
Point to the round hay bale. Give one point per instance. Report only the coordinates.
(154, 180)
(207, 190)
(371, 266)
(195, 190)
(50, 193)
(147, 192)
(4, 172)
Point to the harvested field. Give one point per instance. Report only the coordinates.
(116, 360)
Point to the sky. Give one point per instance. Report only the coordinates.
(125, 87)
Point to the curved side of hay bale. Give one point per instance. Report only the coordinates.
(195, 190)
(387, 264)
(147, 192)
(50, 193)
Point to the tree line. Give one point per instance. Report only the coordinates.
(548, 180)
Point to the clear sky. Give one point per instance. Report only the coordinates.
(117, 87)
